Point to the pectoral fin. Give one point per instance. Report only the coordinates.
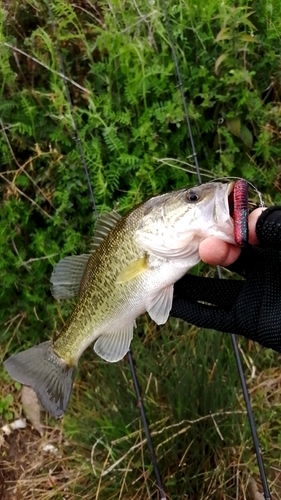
(159, 306)
(132, 270)
(114, 346)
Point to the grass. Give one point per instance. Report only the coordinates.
(197, 420)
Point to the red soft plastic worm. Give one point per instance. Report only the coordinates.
(240, 212)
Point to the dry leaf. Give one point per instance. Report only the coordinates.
(224, 34)
(219, 60)
(31, 407)
(253, 490)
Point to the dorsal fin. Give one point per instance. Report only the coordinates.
(104, 225)
(67, 276)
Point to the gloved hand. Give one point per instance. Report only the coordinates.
(250, 307)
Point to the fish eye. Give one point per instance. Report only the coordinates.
(192, 196)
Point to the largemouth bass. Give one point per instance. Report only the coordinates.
(135, 262)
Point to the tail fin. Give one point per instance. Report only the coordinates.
(49, 376)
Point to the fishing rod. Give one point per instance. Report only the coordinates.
(266, 491)
(92, 198)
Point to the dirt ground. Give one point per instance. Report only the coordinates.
(16, 453)
(28, 470)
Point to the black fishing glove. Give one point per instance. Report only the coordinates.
(250, 307)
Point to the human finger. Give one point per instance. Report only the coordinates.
(217, 252)
(252, 220)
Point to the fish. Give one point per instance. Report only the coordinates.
(134, 263)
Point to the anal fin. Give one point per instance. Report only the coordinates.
(114, 346)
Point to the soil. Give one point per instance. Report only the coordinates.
(26, 469)
(27, 472)
(16, 452)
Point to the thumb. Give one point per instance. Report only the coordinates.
(217, 252)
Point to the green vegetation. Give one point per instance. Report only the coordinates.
(132, 127)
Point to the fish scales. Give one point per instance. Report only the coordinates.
(102, 301)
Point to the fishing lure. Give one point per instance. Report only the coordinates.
(240, 212)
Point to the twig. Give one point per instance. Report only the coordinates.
(26, 262)
(88, 13)
(25, 196)
(64, 77)
(21, 168)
